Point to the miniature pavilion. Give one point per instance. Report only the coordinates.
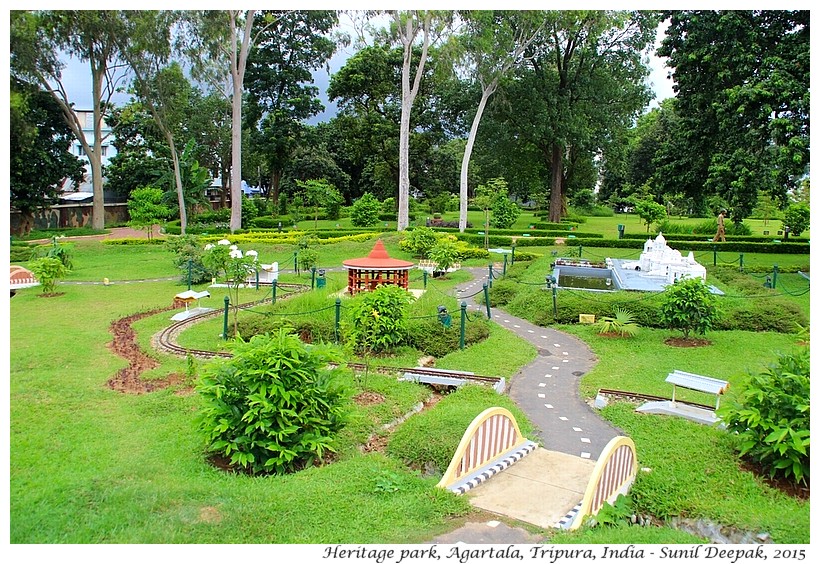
(377, 268)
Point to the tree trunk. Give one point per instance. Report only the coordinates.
(404, 166)
(556, 187)
(468, 151)
(238, 63)
(183, 213)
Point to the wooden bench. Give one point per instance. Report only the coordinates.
(698, 383)
(491, 444)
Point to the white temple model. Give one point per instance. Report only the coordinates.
(657, 259)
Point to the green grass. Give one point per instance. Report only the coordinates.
(90, 465)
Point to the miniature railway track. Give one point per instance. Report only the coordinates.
(648, 397)
(165, 341)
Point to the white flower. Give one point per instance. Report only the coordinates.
(253, 254)
(209, 246)
(223, 242)
(233, 247)
(236, 253)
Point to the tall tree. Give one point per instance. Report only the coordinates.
(407, 26)
(490, 44)
(163, 90)
(742, 83)
(280, 84)
(218, 45)
(582, 82)
(40, 39)
(38, 159)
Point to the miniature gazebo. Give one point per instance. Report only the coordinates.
(377, 268)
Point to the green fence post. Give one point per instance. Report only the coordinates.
(512, 255)
(487, 300)
(714, 255)
(257, 279)
(741, 262)
(338, 317)
(504, 272)
(312, 277)
(490, 276)
(225, 319)
(554, 299)
(463, 321)
(580, 251)
(774, 277)
(273, 290)
(424, 275)
(296, 262)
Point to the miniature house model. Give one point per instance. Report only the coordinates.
(377, 268)
(657, 259)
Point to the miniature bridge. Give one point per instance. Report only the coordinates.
(504, 473)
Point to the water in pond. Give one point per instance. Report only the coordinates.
(585, 282)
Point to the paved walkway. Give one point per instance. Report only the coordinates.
(547, 391)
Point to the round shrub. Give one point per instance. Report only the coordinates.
(434, 339)
(274, 407)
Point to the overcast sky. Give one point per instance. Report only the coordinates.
(76, 78)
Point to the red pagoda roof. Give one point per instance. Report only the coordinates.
(378, 259)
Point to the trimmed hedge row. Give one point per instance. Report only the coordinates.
(523, 232)
(762, 310)
(733, 246)
(707, 238)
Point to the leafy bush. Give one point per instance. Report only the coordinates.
(61, 251)
(378, 319)
(503, 292)
(365, 211)
(188, 248)
(445, 252)
(797, 217)
(274, 407)
(709, 227)
(434, 339)
(771, 417)
(689, 306)
(762, 314)
(48, 270)
(418, 241)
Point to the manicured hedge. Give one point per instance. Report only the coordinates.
(707, 238)
(728, 246)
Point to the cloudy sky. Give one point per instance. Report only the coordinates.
(76, 78)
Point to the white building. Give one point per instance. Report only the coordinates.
(107, 151)
(658, 259)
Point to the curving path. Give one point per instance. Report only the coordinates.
(547, 389)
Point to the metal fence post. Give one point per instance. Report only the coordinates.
(714, 255)
(512, 256)
(774, 277)
(424, 275)
(225, 319)
(273, 290)
(741, 262)
(338, 317)
(490, 276)
(312, 277)
(580, 251)
(487, 300)
(504, 272)
(463, 321)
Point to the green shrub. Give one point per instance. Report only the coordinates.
(622, 324)
(188, 248)
(365, 211)
(797, 217)
(274, 407)
(431, 337)
(48, 271)
(428, 441)
(771, 417)
(689, 306)
(709, 227)
(503, 292)
(763, 314)
(378, 319)
(418, 241)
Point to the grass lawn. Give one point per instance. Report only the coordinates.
(91, 465)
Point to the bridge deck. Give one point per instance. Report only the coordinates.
(539, 489)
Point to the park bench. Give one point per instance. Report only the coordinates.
(430, 266)
(698, 383)
(491, 444)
